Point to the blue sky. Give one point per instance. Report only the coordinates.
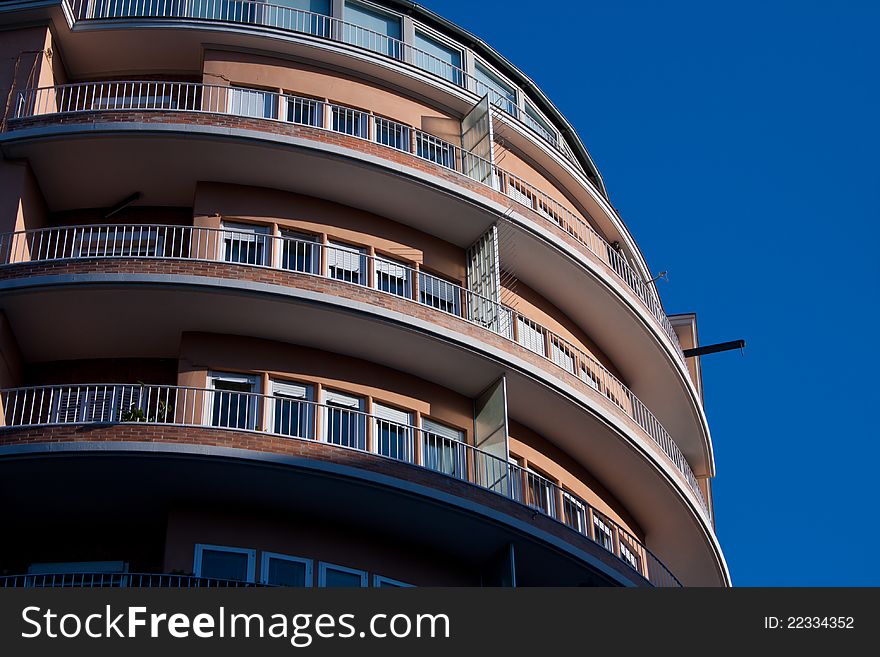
(739, 141)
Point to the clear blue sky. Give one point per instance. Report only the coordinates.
(740, 141)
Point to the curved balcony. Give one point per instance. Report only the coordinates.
(265, 15)
(280, 253)
(134, 97)
(120, 581)
(300, 420)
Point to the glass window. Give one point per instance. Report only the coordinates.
(538, 123)
(604, 536)
(530, 335)
(233, 403)
(350, 121)
(300, 252)
(436, 57)
(246, 244)
(435, 150)
(344, 421)
(439, 294)
(393, 134)
(443, 449)
(380, 582)
(283, 570)
(562, 355)
(347, 263)
(575, 513)
(304, 111)
(220, 562)
(630, 557)
(392, 434)
(540, 492)
(393, 277)
(373, 29)
(500, 93)
(252, 102)
(333, 576)
(314, 6)
(292, 410)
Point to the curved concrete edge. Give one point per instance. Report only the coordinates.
(643, 445)
(617, 288)
(326, 468)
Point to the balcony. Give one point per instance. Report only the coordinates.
(339, 427)
(254, 13)
(350, 267)
(66, 103)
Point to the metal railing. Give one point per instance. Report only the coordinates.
(289, 19)
(271, 106)
(344, 263)
(333, 424)
(118, 581)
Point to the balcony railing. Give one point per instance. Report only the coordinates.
(348, 264)
(289, 19)
(118, 581)
(135, 96)
(340, 426)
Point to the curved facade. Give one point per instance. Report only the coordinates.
(325, 293)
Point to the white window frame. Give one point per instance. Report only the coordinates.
(341, 402)
(240, 91)
(208, 417)
(322, 573)
(201, 547)
(300, 240)
(265, 557)
(363, 265)
(480, 63)
(526, 332)
(600, 527)
(308, 399)
(379, 580)
(382, 411)
(581, 513)
(530, 107)
(380, 262)
(240, 228)
(445, 41)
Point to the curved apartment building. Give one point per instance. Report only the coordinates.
(324, 293)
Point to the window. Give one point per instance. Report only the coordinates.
(439, 294)
(344, 421)
(589, 377)
(347, 263)
(220, 562)
(300, 252)
(350, 121)
(333, 576)
(283, 570)
(500, 93)
(233, 402)
(436, 57)
(540, 492)
(392, 435)
(538, 123)
(575, 512)
(520, 193)
(435, 150)
(304, 111)
(393, 134)
(252, 102)
(443, 449)
(530, 335)
(604, 536)
(105, 241)
(79, 404)
(380, 582)
(392, 277)
(291, 408)
(562, 354)
(246, 244)
(372, 29)
(630, 557)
